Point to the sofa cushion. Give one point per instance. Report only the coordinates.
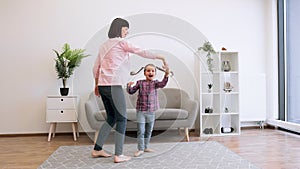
(160, 114)
(100, 116)
(171, 114)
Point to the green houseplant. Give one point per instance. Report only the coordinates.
(208, 48)
(66, 62)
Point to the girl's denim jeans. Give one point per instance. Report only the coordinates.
(145, 123)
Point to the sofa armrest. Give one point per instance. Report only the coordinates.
(192, 107)
(90, 110)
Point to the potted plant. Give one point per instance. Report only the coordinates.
(65, 64)
(207, 47)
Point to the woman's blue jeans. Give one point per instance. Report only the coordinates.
(145, 123)
(115, 106)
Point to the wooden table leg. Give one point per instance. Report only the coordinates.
(54, 129)
(74, 131)
(179, 131)
(77, 129)
(50, 131)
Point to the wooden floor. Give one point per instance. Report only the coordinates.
(266, 148)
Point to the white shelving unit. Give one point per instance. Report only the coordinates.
(219, 106)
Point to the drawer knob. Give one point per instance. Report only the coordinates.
(62, 100)
(61, 111)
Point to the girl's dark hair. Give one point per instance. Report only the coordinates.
(156, 67)
(115, 29)
(152, 65)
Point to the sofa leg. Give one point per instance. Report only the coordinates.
(96, 136)
(179, 131)
(186, 131)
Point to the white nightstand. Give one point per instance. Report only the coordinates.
(62, 109)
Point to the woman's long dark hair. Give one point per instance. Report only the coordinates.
(115, 29)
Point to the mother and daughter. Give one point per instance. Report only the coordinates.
(108, 71)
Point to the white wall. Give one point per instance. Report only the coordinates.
(31, 29)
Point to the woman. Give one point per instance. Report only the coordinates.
(108, 71)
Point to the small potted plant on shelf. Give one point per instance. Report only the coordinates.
(207, 47)
(65, 64)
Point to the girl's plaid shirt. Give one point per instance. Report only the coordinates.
(147, 99)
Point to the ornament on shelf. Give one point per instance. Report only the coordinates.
(209, 89)
(227, 129)
(208, 110)
(226, 110)
(226, 66)
(208, 131)
(227, 87)
(223, 49)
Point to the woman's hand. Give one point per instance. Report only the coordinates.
(167, 71)
(96, 91)
(162, 58)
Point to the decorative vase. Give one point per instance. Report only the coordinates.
(64, 91)
(226, 66)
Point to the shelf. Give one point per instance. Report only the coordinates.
(230, 113)
(230, 72)
(211, 93)
(220, 72)
(211, 114)
(225, 105)
(229, 93)
(233, 133)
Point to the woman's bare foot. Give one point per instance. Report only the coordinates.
(148, 150)
(100, 153)
(121, 158)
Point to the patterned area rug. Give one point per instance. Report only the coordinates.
(202, 155)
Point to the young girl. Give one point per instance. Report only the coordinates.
(147, 104)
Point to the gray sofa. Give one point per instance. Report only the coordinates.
(177, 110)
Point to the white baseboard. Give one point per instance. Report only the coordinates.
(253, 123)
(286, 125)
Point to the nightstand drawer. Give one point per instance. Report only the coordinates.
(61, 115)
(61, 103)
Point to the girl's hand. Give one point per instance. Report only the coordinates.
(167, 70)
(130, 84)
(165, 65)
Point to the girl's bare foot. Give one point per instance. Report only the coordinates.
(121, 158)
(138, 153)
